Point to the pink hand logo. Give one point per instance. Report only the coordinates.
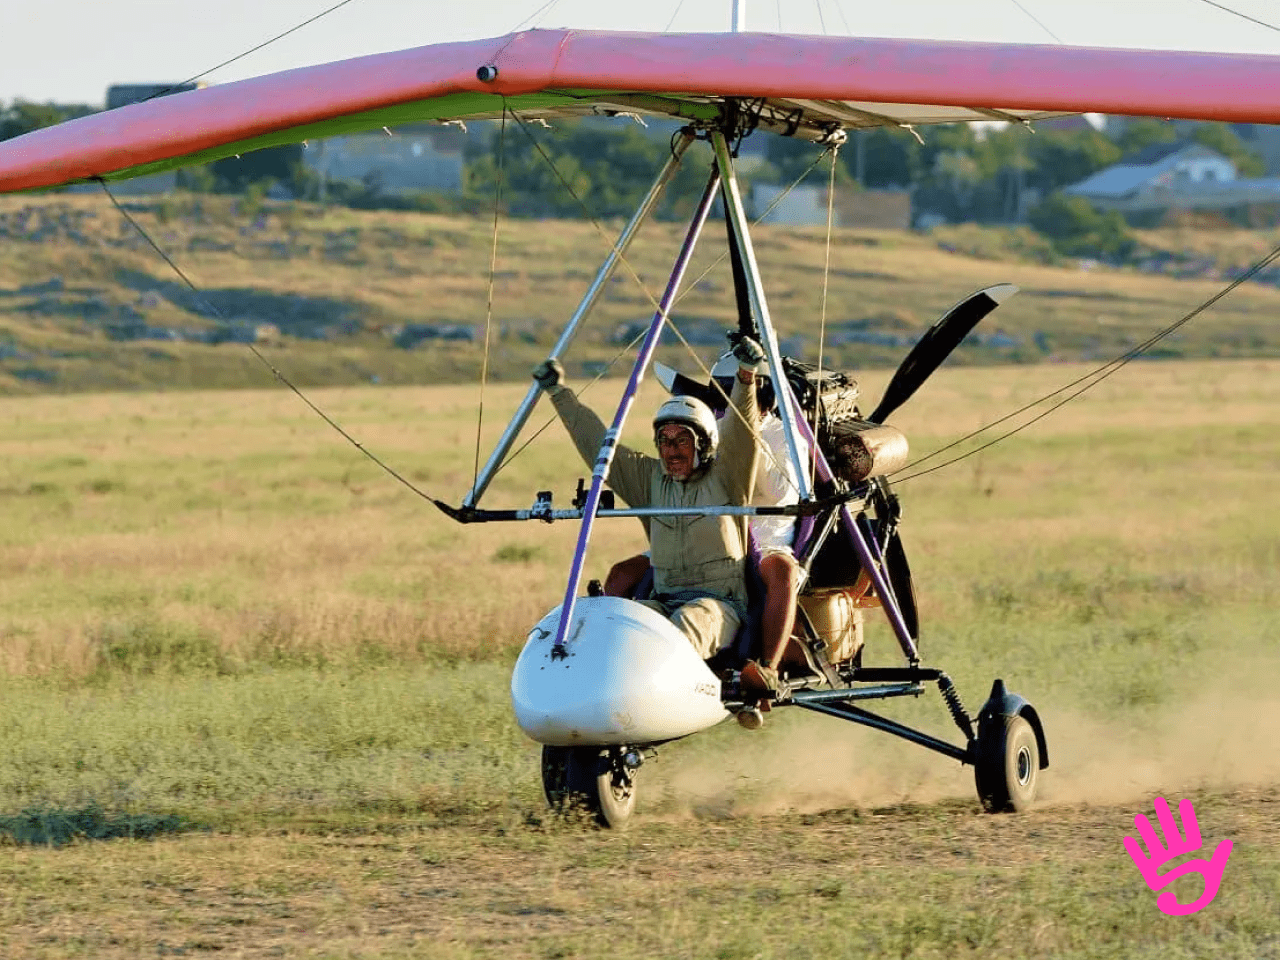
(1150, 866)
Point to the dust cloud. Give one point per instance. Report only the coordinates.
(1225, 737)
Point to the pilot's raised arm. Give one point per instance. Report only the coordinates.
(630, 471)
(740, 438)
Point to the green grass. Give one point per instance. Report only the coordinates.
(270, 743)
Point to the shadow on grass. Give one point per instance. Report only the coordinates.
(50, 826)
(308, 317)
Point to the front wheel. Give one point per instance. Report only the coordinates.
(1008, 765)
(589, 780)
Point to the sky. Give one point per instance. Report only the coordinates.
(70, 51)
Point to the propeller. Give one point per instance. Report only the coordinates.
(936, 345)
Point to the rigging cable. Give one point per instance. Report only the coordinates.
(1089, 380)
(535, 18)
(843, 18)
(689, 287)
(1243, 16)
(1038, 21)
(667, 28)
(241, 56)
(493, 266)
(822, 321)
(208, 305)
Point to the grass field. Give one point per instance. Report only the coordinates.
(254, 691)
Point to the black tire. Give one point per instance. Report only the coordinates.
(591, 782)
(1008, 767)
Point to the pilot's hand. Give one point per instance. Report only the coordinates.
(746, 351)
(549, 373)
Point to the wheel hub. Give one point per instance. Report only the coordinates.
(1024, 766)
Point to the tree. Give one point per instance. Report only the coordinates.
(1060, 158)
(1077, 229)
(792, 158)
(235, 174)
(1220, 137)
(1140, 133)
(22, 116)
(530, 185)
(578, 168)
(890, 157)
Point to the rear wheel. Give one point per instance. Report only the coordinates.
(589, 781)
(1008, 765)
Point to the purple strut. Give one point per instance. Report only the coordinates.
(605, 458)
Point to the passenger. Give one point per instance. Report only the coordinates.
(699, 562)
(776, 484)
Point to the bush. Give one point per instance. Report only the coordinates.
(1077, 229)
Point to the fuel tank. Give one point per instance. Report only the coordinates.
(627, 676)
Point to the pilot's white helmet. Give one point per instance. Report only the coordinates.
(697, 416)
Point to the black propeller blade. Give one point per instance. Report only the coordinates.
(936, 345)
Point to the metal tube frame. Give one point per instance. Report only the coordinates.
(610, 445)
(847, 711)
(588, 301)
(576, 513)
(882, 692)
(870, 559)
(793, 425)
(760, 307)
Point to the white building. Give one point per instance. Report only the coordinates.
(1182, 176)
(806, 206)
(406, 159)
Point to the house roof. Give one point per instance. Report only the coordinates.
(1136, 169)
(1153, 153)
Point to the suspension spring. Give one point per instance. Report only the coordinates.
(958, 712)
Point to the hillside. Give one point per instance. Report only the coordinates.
(337, 296)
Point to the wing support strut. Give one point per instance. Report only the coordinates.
(607, 450)
(793, 425)
(606, 270)
(760, 309)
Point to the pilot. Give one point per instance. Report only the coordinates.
(699, 562)
(775, 485)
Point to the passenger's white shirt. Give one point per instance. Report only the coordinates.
(776, 486)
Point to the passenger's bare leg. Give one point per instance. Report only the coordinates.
(780, 576)
(625, 576)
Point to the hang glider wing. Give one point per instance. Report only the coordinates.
(803, 86)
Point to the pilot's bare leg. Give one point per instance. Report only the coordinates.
(781, 578)
(625, 575)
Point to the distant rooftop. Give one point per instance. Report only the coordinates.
(123, 94)
(1152, 153)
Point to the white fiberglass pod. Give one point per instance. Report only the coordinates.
(628, 676)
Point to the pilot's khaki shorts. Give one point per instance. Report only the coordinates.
(710, 624)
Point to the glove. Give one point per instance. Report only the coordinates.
(746, 351)
(549, 373)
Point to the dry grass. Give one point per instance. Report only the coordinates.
(227, 632)
(244, 526)
(299, 267)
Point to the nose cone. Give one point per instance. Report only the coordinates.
(628, 676)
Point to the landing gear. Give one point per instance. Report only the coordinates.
(598, 782)
(1008, 764)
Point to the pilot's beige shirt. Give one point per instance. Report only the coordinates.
(703, 554)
